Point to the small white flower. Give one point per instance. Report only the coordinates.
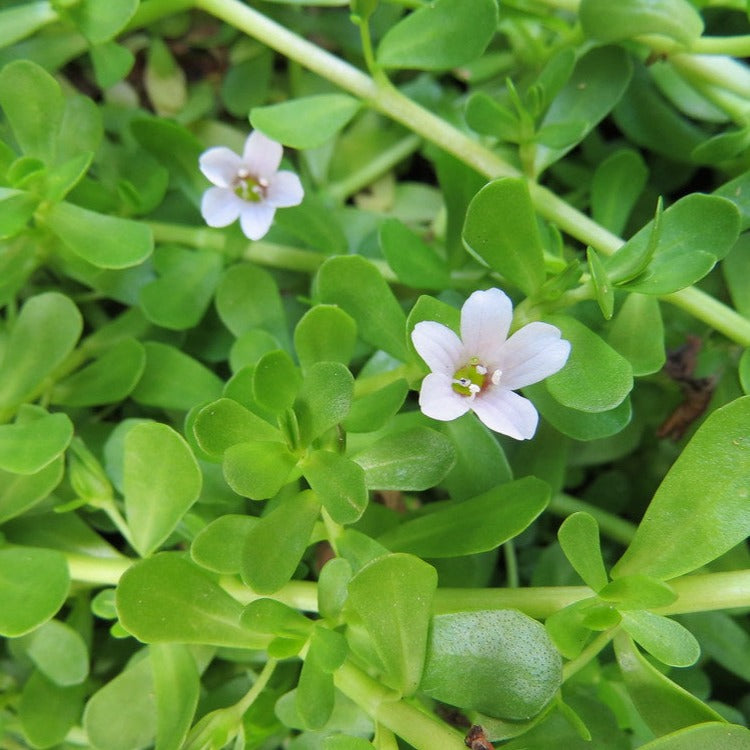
(480, 370)
(248, 187)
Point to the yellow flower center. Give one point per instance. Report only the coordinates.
(249, 188)
(473, 378)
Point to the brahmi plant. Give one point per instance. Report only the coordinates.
(373, 374)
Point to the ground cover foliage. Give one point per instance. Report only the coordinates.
(225, 520)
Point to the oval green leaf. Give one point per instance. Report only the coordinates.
(306, 122)
(706, 488)
(161, 480)
(442, 35)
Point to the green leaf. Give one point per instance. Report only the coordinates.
(107, 380)
(663, 705)
(647, 119)
(489, 117)
(27, 446)
(638, 592)
(161, 481)
(325, 333)
(711, 735)
(19, 492)
(224, 423)
(258, 470)
(247, 297)
(605, 293)
(414, 262)
(480, 461)
(44, 333)
(579, 539)
(111, 62)
(174, 380)
(501, 231)
(42, 726)
(103, 241)
(274, 546)
(414, 459)
(58, 652)
(694, 233)
(176, 148)
(324, 399)
(580, 425)
(333, 581)
(471, 526)
(585, 386)
(616, 186)
(276, 381)
(665, 639)
(723, 639)
(23, 20)
(34, 583)
(403, 586)
(179, 298)
(218, 547)
(597, 84)
(735, 268)
(637, 333)
(357, 287)
(443, 35)
(469, 650)
(177, 688)
(33, 104)
(108, 726)
(373, 410)
(306, 122)
(613, 20)
(101, 22)
(315, 692)
(16, 208)
(166, 598)
(340, 484)
(706, 488)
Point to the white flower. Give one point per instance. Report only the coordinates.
(480, 370)
(248, 187)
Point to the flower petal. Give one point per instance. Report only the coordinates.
(255, 219)
(531, 354)
(438, 346)
(220, 165)
(261, 156)
(506, 412)
(220, 207)
(438, 400)
(284, 189)
(485, 320)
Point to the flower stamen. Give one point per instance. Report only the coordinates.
(471, 379)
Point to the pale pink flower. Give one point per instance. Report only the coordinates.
(481, 370)
(248, 187)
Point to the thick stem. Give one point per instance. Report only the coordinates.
(416, 727)
(612, 526)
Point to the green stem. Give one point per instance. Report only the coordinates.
(737, 46)
(302, 595)
(710, 591)
(383, 163)
(611, 525)
(590, 652)
(537, 602)
(511, 564)
(417, 728)
(259, 685)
